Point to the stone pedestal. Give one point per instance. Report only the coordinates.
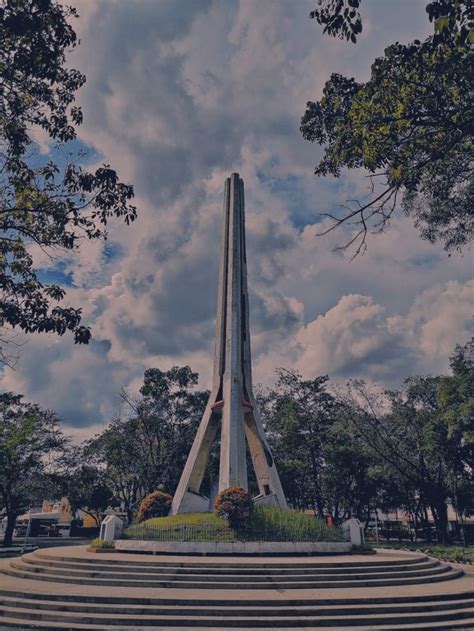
(353, 531)
(111, 528)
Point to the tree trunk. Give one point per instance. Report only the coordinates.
(426, 522)
(440, 516)
(463, 533)
(8, 537)
(367, 520)
(320, 505)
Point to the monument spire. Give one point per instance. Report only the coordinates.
(231, 407)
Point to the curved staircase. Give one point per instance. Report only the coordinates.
(70, 588)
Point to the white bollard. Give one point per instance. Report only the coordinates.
(111, 528)
(353, 531)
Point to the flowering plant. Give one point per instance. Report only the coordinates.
(234, 504)
(155, 504)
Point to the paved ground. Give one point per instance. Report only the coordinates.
(467, 568)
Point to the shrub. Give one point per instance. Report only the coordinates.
(103, 545)
(155, 504)
(234, 504)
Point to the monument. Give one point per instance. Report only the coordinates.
(394, 590)
(231, 408)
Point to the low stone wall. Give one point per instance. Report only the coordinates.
(237, 547)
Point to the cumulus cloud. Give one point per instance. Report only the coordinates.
(440, 318)
(357, 338)
(177, 98)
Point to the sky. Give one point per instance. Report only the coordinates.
(179, 95)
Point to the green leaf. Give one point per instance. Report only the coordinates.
(441, 23)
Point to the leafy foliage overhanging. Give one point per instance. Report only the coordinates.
(50, 205)
(410, 126)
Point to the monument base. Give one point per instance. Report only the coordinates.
(234, 547)
(197, 503)
(194, 503)
(267, 500)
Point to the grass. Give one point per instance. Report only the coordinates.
(439, 551)
(102, 545)
(291, 525)
(184, 527)
(188, 519)
(266, 523)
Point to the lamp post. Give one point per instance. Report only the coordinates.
(376, 527)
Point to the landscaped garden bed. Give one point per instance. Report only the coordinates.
(265, 523)
(101, 546)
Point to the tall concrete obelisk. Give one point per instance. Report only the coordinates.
(231, 405)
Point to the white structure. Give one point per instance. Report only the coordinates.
(231, 407)
(353, 531)
(111, 528)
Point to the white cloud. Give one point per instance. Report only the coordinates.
(356, 338)
(440, 318)
(175, 100)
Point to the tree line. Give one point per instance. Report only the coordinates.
(342, 451)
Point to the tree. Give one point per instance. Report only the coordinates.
(351, 481)
(456, 400)
(147, 450)
(323, 465)
(115, 450)
(409, 126)
(31, 446)
(47, 203)
(340, 18)
(166, 418)
(298, 415)
(409, 431)
(87, 489)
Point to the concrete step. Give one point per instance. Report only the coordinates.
(256, 562)
(7, 623)
(110, 597)
(236, 610)
(177, 582)
(44, 593)
(204, 576)
(373, 619)
(208, 569)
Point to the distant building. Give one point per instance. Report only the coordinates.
(53, 518)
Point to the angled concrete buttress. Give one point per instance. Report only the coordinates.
(231, 405)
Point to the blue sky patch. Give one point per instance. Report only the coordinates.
(57, 275)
